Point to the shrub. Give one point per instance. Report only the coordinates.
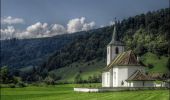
(21, 84)
(12, 85)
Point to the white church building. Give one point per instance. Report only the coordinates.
(123, 68)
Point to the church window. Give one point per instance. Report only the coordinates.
(117, 50)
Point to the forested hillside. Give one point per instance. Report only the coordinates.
(81, 57)
(18, 53)
(143, 33)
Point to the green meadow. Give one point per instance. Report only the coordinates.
(65, 92)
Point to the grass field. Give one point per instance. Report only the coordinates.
(65, 92)
(95, 67)
(159, 63)
(86, 68)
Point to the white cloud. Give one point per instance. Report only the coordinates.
(58, 29)
(10, 20)
(8, 33)
(79, 24)
(39, 29)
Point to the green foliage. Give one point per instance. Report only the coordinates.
(20, 53)
(84, 69)
(78, 79)
(168, 64)
(49, 80)
(156, 63)
(142, 33)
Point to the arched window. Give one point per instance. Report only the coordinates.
(117, 50)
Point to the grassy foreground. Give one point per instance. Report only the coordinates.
(65, 92)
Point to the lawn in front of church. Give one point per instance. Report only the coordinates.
(65, 92)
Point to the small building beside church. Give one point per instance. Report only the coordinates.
(123, 68)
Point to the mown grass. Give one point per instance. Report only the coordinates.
(65, 92)
(85, 69)
(159, 63)
(95, 67)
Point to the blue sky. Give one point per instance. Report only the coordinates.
(101, 12)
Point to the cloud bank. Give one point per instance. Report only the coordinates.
(10, 20)
(79, 24)
(39, 29)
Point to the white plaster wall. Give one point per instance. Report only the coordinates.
(111, 77)
(113, 49)
(132, 69)
(86, 90)
(140, 84)
(111, 52)
(162, 84)
(108, 55)
(103, 79)
(115, 81)
(122, 76)
(106, 79)
(123, 73)
(149, 83)
(137, 84)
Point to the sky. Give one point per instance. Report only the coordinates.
(44, 18)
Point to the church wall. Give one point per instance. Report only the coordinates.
(111, 77)
(132, 69)
(106, 79)
(108, 55)
(123, 73)
(122, 76)
(113, 49)
(149, 84)
(115, 77)
(143, 84)
(111, 52)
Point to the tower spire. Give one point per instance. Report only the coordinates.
(114, 37)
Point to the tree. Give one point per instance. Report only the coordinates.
(48, 80)
(4, 74)
(168, 63)
(78, 79)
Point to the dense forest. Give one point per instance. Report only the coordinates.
(18, 53)
(143, 33)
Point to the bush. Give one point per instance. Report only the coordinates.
(49, 80)
(12, 85)
(4, 85)
(21, 84)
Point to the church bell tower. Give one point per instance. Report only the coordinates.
(114, 47)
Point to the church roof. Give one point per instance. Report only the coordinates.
(124, 58)
(139, 76)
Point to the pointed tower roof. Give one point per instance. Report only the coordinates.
(114, 40)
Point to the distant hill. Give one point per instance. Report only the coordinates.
(142, 33)
(18, 53)
(83, 55)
